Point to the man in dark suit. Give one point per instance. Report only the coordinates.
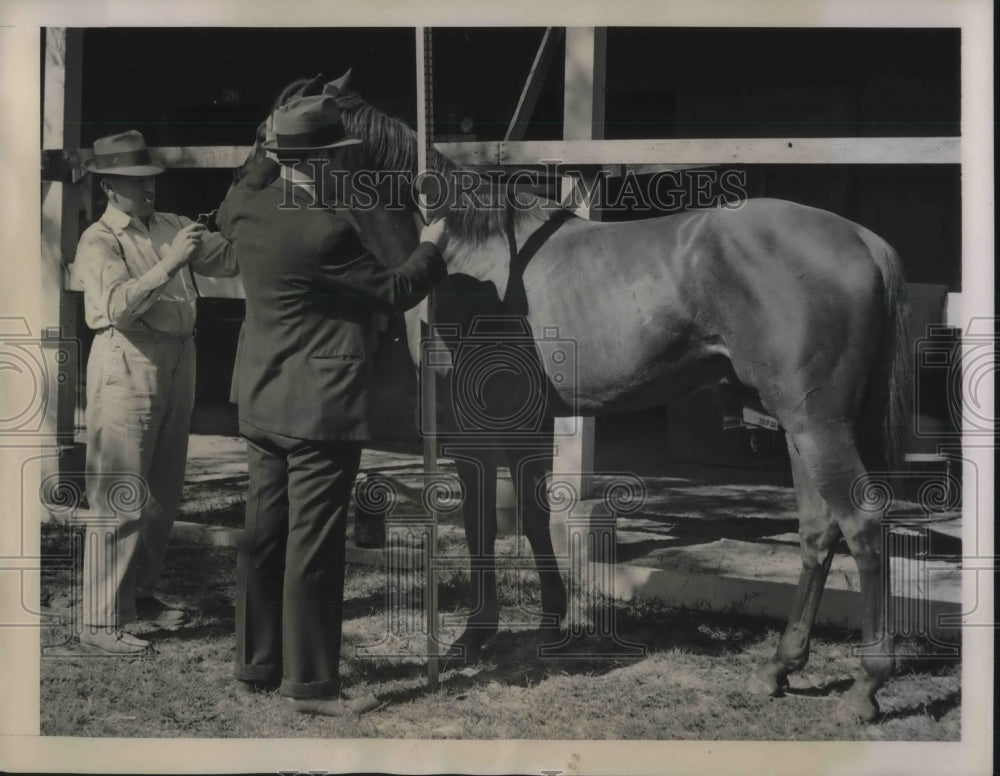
(301, 382)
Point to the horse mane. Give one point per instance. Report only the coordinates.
(389, 144)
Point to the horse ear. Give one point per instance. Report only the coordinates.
(338, 85)
(313, 87)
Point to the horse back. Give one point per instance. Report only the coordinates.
(763, 292)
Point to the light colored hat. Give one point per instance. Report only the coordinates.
(122, 154)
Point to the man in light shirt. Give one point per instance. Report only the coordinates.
(140, 300)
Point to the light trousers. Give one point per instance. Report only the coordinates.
(140, 393)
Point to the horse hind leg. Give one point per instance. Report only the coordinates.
(833, 464)
(818, 534)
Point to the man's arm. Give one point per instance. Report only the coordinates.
(111, 296)
(215, 257)
(362, 276)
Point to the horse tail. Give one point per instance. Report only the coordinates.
(892, 391)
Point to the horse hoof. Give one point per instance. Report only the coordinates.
(455, 660)
(767, 681)
(549, 630)
(854, 710)
(466, 650)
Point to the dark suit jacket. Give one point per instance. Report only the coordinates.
(303, 363)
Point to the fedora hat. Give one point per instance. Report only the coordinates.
(308, 124)
(122, 154)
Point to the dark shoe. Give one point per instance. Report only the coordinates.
(113, 641)
(255, 689)
(159, 614)
(335, 707)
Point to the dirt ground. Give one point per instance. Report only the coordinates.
(669, 674)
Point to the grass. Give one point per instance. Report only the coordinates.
(688, 685)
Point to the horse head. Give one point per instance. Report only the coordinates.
(375, 180)
(375, 186)
(301, 87)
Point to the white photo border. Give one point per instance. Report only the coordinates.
(23, 750)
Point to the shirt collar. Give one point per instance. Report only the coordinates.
(118, 220)
(301, 181)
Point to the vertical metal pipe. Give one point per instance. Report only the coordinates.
(428, 389)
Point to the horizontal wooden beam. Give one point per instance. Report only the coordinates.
(59, 165)
(663, 154)
(846, 150)
(186, 157)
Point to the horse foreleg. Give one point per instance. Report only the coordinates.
(818, 534)
(529, 471)
(479, 479)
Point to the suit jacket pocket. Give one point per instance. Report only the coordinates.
(345, 342)
(334, 358)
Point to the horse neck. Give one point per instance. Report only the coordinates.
(389, 229)
(390, 234)
(490, 260)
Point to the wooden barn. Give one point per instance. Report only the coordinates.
(862, 122)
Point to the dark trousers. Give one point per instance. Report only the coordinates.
(290, 568)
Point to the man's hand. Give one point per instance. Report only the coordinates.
(435, 232)
(184, 247)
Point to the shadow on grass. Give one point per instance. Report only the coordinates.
(204, 578)
(837, 687)
(218, 629)
(935, 709)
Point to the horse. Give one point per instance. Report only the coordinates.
(802, 307)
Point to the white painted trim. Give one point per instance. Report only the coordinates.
(679, 151)
(953, 311)
(707, 151)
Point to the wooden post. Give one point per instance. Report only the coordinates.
(583, 119)
(428, 387)
(60, 230)
(586, 55)
(533, 84)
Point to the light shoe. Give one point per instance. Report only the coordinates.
(113, 641)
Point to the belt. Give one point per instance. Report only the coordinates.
(147, 334)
